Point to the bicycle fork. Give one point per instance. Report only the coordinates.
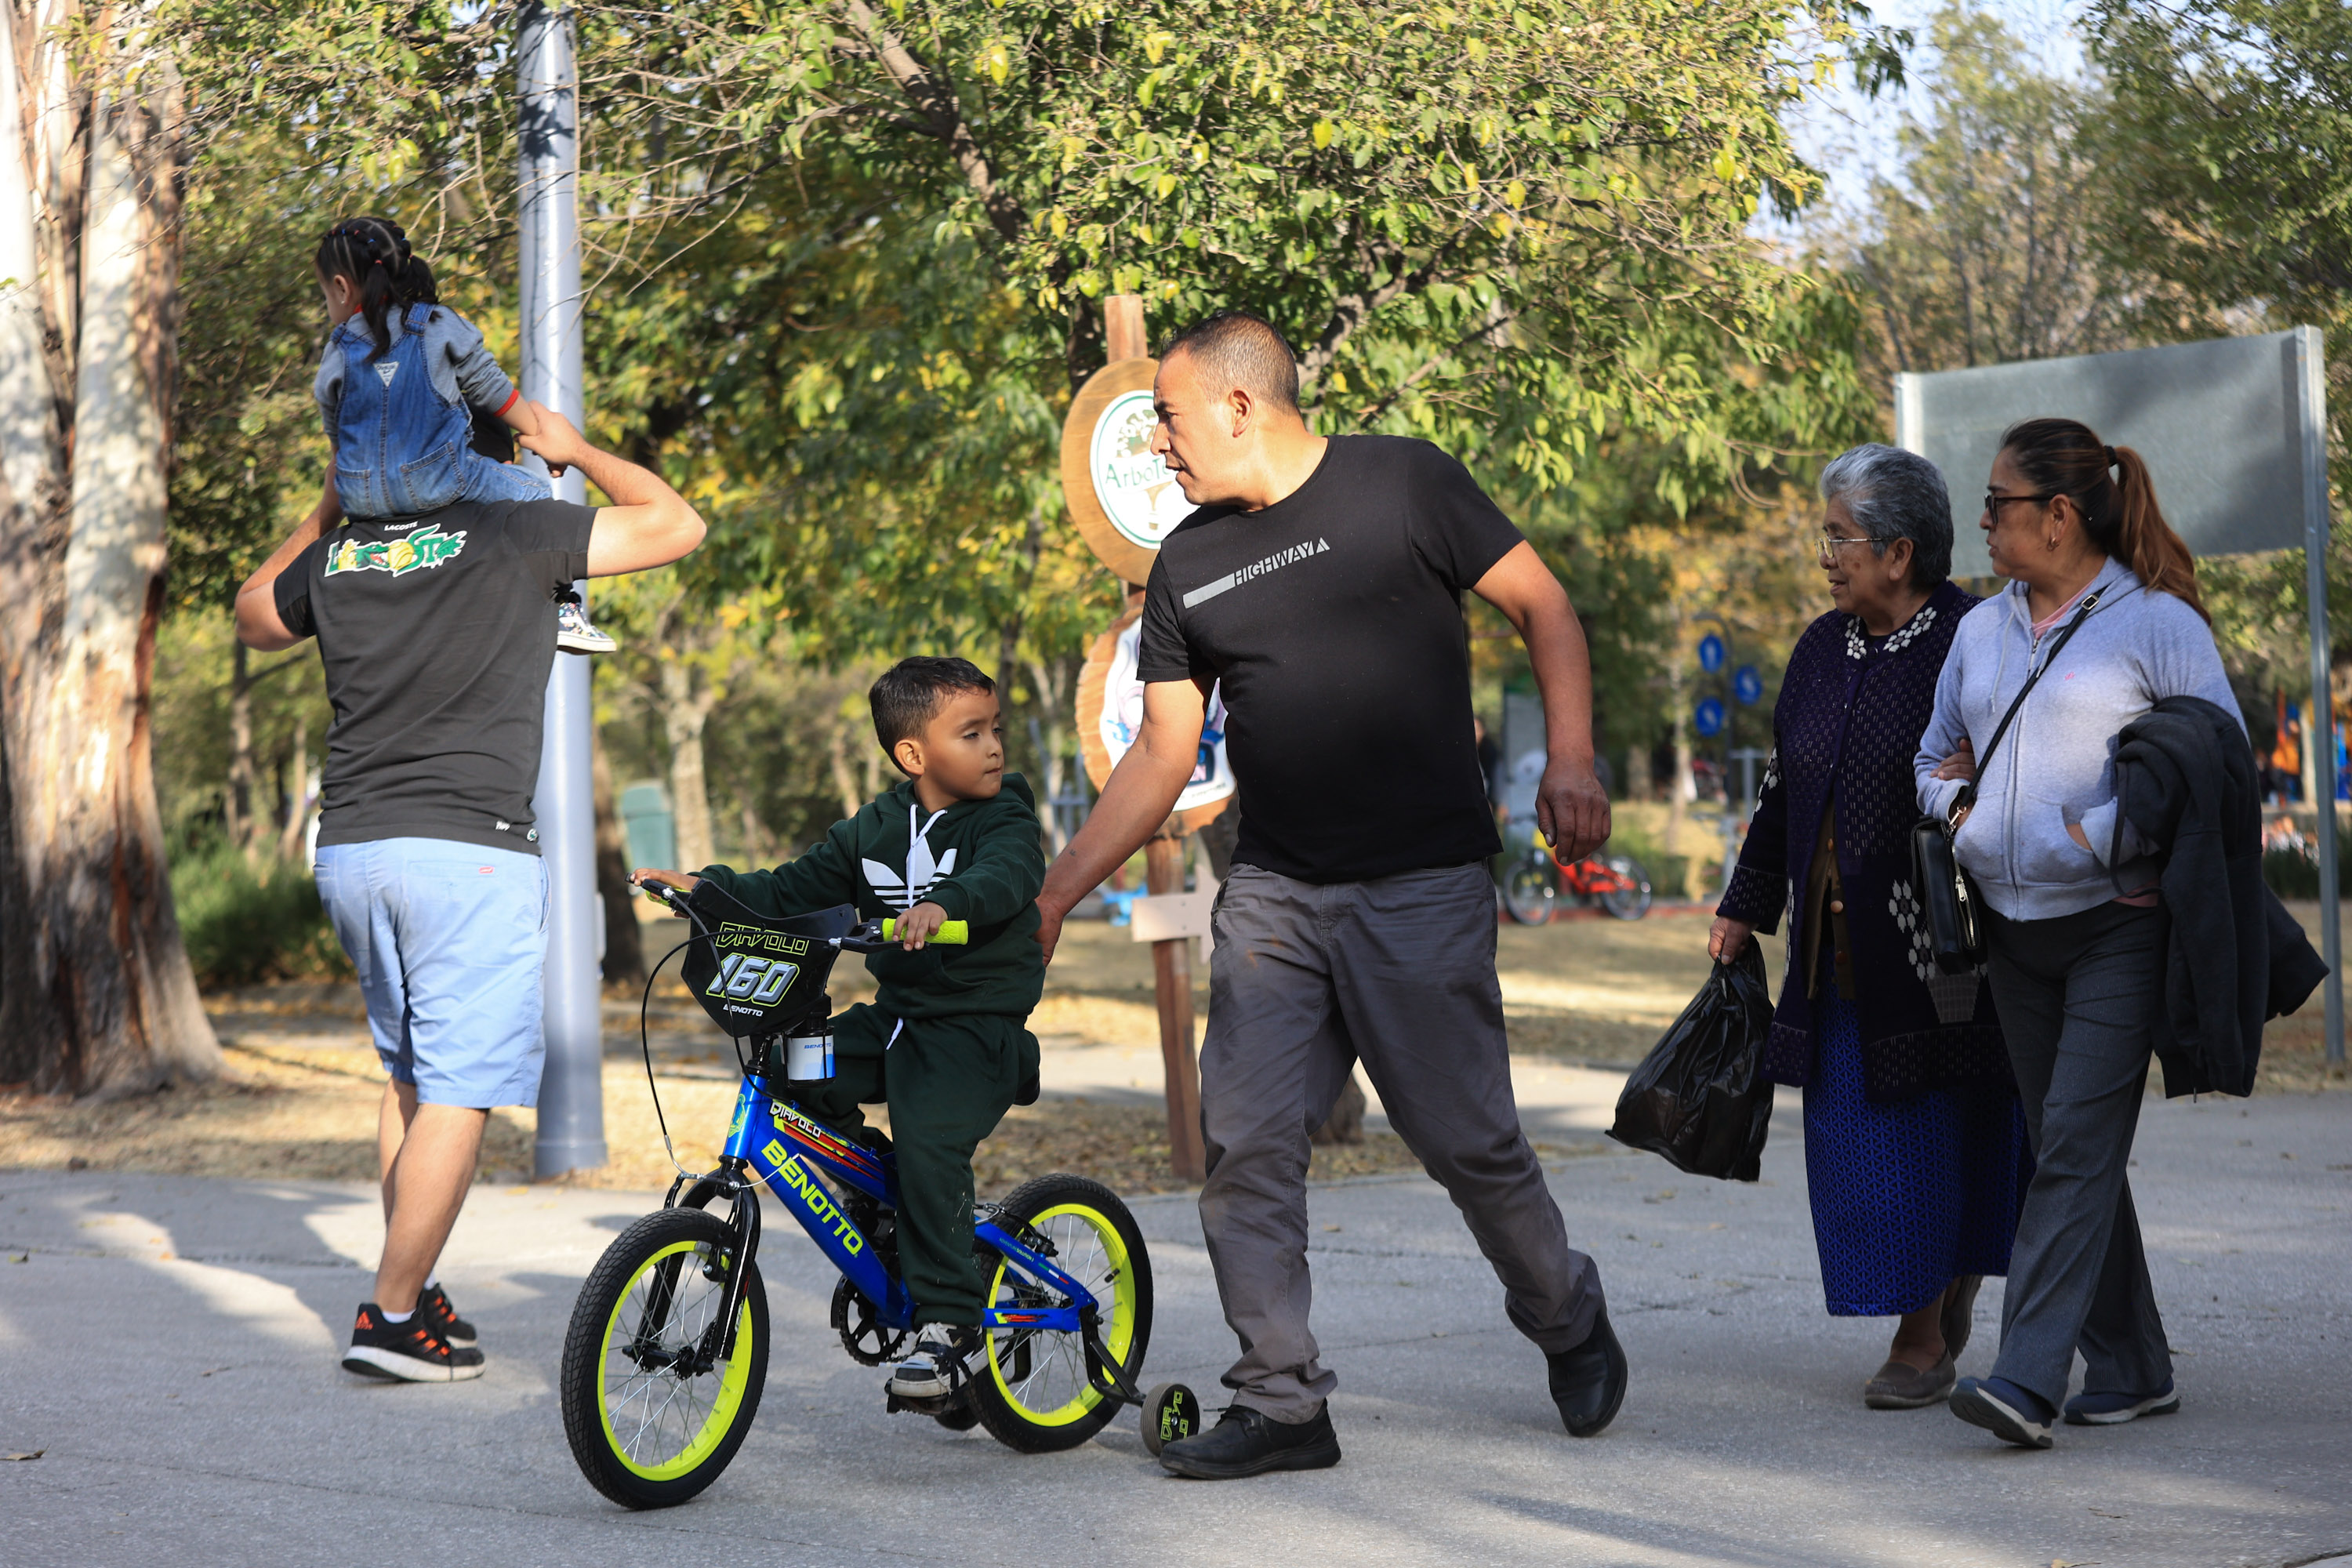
(718, 1343)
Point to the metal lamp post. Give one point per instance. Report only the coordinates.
(572, 1087)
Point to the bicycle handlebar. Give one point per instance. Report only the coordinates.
(951, 933)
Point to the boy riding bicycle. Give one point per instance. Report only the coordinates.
(943, 1042)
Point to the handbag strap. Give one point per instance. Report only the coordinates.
(2090, 602)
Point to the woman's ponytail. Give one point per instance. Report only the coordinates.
(2111, 487)
(2143, 541)
(374, 254)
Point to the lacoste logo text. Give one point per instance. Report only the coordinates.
(1273, 562)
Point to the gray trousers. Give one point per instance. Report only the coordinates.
(2077, 997)
(1398, 973)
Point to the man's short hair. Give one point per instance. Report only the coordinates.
(911, 692)
(1235, 349)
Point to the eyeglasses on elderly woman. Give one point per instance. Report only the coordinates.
(1826, 546)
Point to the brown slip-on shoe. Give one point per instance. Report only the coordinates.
(1899, 1385)
(1960, 1315)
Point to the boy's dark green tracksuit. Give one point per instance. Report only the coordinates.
(943, 1041)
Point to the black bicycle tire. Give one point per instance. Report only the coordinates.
(1616, 899)
(579, 1379)
(1549, 904)
(1004, 1423)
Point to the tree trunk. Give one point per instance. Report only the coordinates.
(1052, 684)
(625, 954)
(1678, 789)
(238, 802)
(845, 781)
(297, 798)
(96, 995)
(685, 710)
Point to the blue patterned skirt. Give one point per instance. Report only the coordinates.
(1908, 1197)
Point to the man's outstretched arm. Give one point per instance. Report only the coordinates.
(1135, 802)
(649, 523)
(1571, 807)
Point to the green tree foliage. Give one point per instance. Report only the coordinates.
(2228, 179)
(1987, 246)
(2231, 121)
(1511, 228)
(846, 261)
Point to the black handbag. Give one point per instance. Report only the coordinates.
(1949, 899)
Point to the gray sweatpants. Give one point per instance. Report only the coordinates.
(1398, 973)
(2077, 996)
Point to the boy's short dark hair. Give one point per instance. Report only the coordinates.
(911, 690)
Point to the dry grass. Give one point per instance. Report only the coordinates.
(308, 1113)
(300, 1098)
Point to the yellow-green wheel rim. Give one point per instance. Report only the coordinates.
(721, 1417)
(1118, 1328)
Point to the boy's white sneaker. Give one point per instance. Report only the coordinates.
(572, 632)
(939, 1366)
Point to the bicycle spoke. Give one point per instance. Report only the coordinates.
(656, 1413)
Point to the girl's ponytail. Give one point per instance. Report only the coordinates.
(2065, 458)
(374, 254)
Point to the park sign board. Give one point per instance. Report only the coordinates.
(1110, 716)
(1120, 495)
(2223, 427)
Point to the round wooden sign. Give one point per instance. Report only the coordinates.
(1110, 710)
(1122, 497)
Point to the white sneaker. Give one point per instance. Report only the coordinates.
(936, 1369)
(572, 632)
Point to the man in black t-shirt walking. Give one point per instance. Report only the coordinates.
(436, 633)
(1320, 581)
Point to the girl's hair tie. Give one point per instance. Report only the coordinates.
(2111, 457)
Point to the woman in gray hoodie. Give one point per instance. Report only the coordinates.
(2073, 933)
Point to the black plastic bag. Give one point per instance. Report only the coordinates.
(1700, 1097)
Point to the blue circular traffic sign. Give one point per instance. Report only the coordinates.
(1748, 685)
(1709, 716)
(1710, 653)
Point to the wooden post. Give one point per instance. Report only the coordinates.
(1171, 970)
(1123, 328)
(1163, 861)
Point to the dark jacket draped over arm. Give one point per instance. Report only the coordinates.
(2234, 958)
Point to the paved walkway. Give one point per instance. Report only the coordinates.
(171, 1348)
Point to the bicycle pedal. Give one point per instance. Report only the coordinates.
(940, 1406)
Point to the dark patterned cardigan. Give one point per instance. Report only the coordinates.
(1846, 728)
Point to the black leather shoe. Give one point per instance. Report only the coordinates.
(1588, 1382)
(1245, 1442)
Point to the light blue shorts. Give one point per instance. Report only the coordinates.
(449, 941)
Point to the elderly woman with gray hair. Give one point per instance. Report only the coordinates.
(1914, 1142)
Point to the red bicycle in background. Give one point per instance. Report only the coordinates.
(1532, 881)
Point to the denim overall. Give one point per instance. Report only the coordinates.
(401, 447)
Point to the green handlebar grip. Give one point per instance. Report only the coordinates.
(954, 933)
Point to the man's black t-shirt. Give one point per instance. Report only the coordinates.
(1334, 620)
(436, 633)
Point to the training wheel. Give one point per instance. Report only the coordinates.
(1171, 1413)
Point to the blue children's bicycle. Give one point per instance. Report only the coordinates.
(668, 1350)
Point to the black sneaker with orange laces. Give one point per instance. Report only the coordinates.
(433, 1306)
(408, 1352)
